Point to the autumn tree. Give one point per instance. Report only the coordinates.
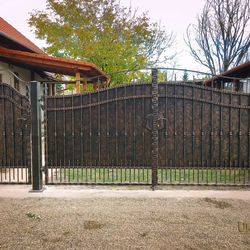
(113, 37)
(221, 39)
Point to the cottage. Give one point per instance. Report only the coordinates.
(20, 56)
(235, 79)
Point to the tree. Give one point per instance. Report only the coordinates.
(103, 32)
(185, 76)
(221, 37)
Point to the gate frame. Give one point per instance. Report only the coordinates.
(36, 143)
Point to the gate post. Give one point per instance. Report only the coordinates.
(36, 145)
(154, 155)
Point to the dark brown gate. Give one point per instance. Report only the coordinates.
(149, 133)
(14, 137)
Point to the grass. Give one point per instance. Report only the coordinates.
(204, 176)
(31, 215)
(144, 176)
(103, 175)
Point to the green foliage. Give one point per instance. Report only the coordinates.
(103, 32)
(185, 76)
(30, 215)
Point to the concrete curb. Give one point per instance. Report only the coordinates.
(22, 191)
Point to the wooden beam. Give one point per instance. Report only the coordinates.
(95, 86)
(84, 84)
(78, 83)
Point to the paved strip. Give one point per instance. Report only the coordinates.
(23, 191)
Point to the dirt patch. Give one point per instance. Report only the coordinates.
(92, 225)
(218, 203)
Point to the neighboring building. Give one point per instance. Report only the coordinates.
(235, 79)
(22, 57)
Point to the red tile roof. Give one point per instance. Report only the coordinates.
(52, 64)
(11, 33)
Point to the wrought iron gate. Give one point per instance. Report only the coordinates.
(148, 133)
(14, 136)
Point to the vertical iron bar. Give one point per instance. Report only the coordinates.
(155, 128)
(193, 133)
(108, 155)
(4, 129)
(116, 128)
(134, 122)
(60, 170)
(248, 132)
(12, 132)
(166, 124)
(104, 170)
(143, 134)
(73, 135)
(202, 129)
(82, 136)
(86, 171)
(198, 174)
(77, 171)
(112, 165)
(175, 133)
(90, 132)
(221, 127)
(230, 131)
(28, 134)
(55, 116)
(121, 171)
(9, 171)
(69, 168)
(240, 134)
(184, 128)
(125, 126)
(45, 94)
(170, 171)
(64, 133)
(21, 140)
(99, 127)
(212, 127)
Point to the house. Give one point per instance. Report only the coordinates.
(20, 56)
(235, 79)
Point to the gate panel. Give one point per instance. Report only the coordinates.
(132, 134)
(14, 137)
(207, 136)
(100, 137)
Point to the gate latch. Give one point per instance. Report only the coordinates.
(25, 119)
(149, 121)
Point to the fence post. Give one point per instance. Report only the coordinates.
(154, 157)
(36, 143)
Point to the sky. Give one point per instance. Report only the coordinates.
(174, 15)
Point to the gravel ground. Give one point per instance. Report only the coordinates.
(123, 223)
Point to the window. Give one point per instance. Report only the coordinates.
(16, 81)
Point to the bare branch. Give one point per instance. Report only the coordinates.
(221, 40)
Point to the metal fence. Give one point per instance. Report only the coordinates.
(14, 136)
(149, 133)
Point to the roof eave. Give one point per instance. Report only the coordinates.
(23, 44)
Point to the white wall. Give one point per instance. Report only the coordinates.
(24, 74)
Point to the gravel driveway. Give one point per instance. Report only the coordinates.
(123, 223)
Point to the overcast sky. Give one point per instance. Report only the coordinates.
(175, 15)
